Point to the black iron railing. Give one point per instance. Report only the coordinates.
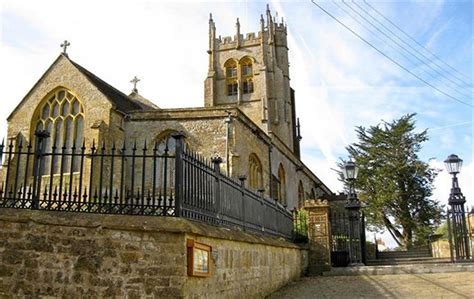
(126, 179)
(460, 233)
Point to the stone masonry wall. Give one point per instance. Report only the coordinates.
(87, 255)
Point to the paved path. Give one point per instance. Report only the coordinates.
(440, 285)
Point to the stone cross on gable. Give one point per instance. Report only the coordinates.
(135, 81)
(64, 45)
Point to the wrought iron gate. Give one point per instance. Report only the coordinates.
(346, 250)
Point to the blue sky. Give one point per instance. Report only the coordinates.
(340, 81)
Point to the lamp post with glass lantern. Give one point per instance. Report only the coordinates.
(457, 200)
(349, 172)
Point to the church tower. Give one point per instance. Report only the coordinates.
(252, 73)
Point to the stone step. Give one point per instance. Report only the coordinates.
(404, 252)
(405, 255)
(402, 261)
(402, 269)
(424, 251)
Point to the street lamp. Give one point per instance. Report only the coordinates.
(457, 200)
(350, 171)
(356, 225)
(453, 164)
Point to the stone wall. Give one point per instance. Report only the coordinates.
(75, 255)
(440, 249)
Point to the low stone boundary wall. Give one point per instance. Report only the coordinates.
(89, 255)
(440, 249)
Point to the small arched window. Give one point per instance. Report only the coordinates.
(231, 77)
(61, 114)
(247, 75)
(163, 168)
(282, 186)
(166, 143)
(300, 194)
(312, 195)
(255, 172)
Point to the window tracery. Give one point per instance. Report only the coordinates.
(247, 75)
(62, 116)
(231, 77)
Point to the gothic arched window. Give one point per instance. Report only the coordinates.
(312, 195)
(166, 142)
(61, 114)
(300, 194)
(247, 75)
(231, 77)
(255, 172)
(282, 186)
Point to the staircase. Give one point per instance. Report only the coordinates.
(413, 256)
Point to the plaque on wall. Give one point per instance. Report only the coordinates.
(199, 257)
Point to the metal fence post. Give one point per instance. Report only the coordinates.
(178, 174)
(262, 212)
(242, 179)
(41, 136)
(450, 236)
(363, 251)
(217, 190)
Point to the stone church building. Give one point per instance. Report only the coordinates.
(248, 117)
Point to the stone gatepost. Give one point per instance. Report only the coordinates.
(318, 235)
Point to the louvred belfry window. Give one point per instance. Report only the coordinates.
(231, 77)
(247, 75)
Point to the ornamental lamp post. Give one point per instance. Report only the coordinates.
(356, 233)
(457, 200)
(350, 172)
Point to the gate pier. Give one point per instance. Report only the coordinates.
(318, 236)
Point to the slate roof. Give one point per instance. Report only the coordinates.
(121, 101)
(144, 102)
